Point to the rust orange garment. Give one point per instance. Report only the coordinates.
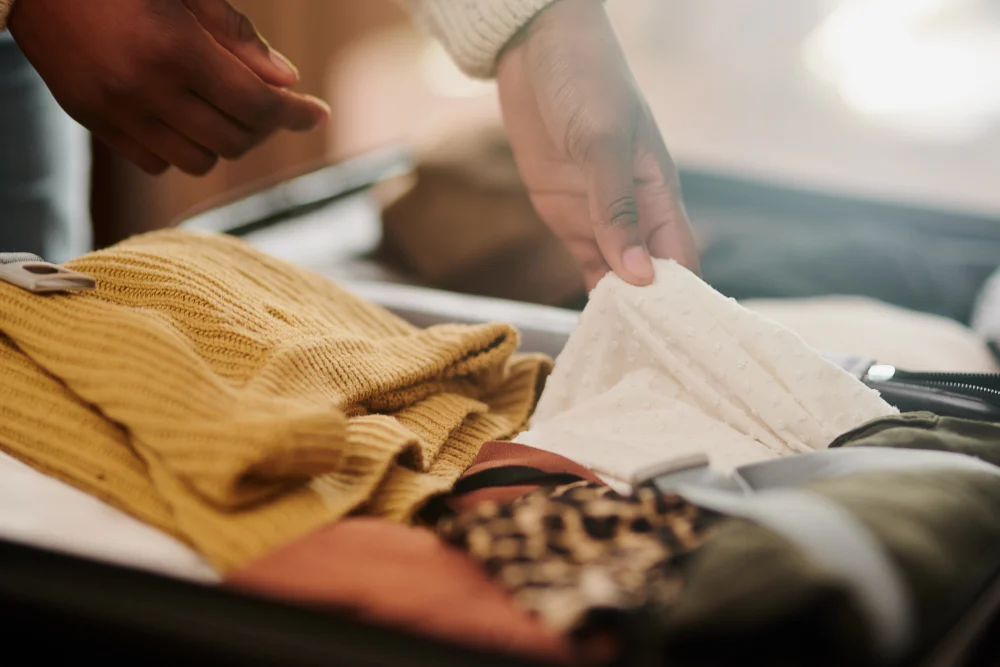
(409, 578)
(404, 577)
(496, 454)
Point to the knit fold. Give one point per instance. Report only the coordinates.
(240, 401)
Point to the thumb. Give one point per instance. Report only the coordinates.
(615, 212)
(235, 32)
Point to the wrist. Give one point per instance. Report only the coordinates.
(556, 13)
(474, 32)
(6, 7)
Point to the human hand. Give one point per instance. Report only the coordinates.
(588, 148)
(163, 82)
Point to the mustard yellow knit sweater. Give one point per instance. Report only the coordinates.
(237, 402)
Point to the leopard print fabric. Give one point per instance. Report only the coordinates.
(568, 552)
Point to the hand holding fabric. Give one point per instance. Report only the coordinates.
(588, 148)
(163, 82)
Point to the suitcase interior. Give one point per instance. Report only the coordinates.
(56, 607)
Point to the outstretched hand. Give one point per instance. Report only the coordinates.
(163, 82)
(588, 148)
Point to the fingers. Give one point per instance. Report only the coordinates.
(665, 224)
(299, 112)
(669, 233)
(228, 85)
(592, 263)
(675, 242)
(564, 212)
(132, 151)
(614, 209)
(187, 130)
(212, 129)
(172, 81)
(236, 33)
(171, 146)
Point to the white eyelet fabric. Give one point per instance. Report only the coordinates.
(676, 369)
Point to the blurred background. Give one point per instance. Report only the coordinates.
(826, 146)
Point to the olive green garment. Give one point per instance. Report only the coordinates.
(923, 430)
(751, 597)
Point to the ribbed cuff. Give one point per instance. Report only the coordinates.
(5, 8)
(474, 32)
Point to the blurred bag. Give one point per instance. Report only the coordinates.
(467, 225)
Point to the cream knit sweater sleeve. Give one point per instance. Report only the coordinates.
(473, 31)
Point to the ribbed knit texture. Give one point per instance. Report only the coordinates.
(237, 402)
(474, 32)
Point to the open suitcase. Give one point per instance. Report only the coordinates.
(56, 607)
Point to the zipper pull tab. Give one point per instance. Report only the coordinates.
(880, 373)
(32, 273)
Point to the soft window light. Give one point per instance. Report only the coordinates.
(930, 67)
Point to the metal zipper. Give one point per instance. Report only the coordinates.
(984, 381)
(985, 386)
(966, 388)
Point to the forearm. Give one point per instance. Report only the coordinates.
(474, 32)
(5, 7)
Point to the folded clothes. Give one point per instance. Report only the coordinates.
(402, 577)
(573, 551)
(504, 455)
(411, 579)
(849, 555)
(788, 595)
(245, 408)
(237, 403)
(675, 369)
(43, 512)
(377, 570)
(926, 431)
